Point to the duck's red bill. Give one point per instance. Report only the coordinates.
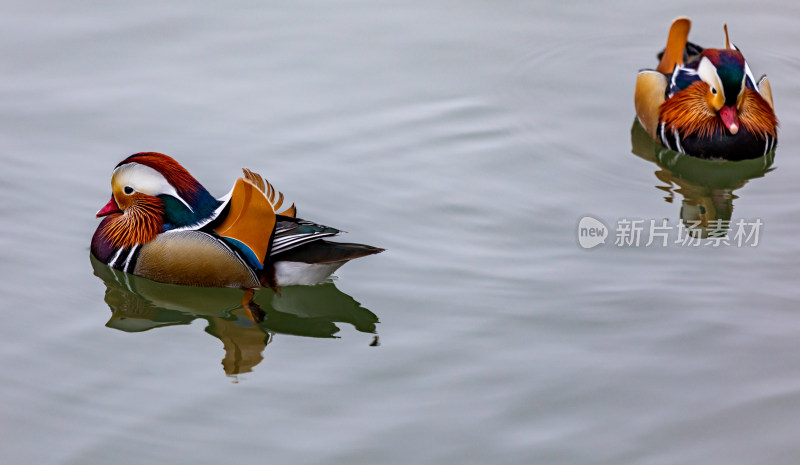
(111, 207)
(730, 118)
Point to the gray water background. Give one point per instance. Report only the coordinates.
(467, 138)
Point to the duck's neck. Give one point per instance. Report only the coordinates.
(178, 215)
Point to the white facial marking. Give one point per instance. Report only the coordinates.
(144, 179)
(708, 73)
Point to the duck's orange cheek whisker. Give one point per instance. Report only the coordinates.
(111, 207)
(730, 118)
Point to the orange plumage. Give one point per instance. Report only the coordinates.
(141, 221)
(756, 115)
(688, 111)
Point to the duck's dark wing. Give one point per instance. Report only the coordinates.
(322, 252)
(291, 233)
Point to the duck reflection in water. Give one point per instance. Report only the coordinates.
(707, 186)
(244, 326)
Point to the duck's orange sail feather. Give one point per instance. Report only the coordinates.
(676, 44)
(251, 217)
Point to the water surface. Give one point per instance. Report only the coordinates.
(466, 138)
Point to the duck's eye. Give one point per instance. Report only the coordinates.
(714, 90)
(128, 190)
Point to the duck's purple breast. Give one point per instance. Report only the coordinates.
(101, 247)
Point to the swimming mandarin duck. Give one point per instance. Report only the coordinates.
(706, 102)
(162, 224)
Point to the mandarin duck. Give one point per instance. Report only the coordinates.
(162, 224)
(706, 102)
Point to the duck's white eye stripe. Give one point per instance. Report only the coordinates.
(144, 179)
(708, 73)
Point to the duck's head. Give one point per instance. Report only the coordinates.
(724, 72)
(151, 192)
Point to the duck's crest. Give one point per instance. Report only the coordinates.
(187, 186)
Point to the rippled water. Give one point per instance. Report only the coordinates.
(467, 139)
